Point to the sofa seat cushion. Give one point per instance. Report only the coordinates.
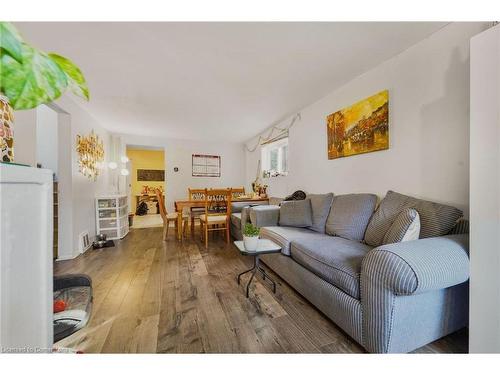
(284, 236)
(236, 219)
(334, 259)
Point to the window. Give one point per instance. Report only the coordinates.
(274, 156)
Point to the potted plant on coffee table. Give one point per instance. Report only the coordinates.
(30, 77)
(251, 237)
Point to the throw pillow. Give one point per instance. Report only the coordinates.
(406, 227)
(320, 204)
(296, 214)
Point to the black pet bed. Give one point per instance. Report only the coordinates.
(109, 243)
(76, 292)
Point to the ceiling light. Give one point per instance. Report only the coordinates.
(124, 172)
(112, 165)
(124, 159)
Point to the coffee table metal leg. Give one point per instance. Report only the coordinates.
(241, 274)
(263, 273)
(266, 276)
(250, 270)
(250, 281)
(256, 267)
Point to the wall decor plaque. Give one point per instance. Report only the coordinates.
(206, 165)
(150, 175)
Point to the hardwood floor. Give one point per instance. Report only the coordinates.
(172, 297)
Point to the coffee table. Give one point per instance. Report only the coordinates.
(264, 247)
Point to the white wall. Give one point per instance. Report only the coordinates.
(178, 154)
(65, 148)
(484, 330)
(25, 137)
(429, 123)
(84, 190)
(77, 192)
(46, 138)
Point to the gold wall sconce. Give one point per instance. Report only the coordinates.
(90, 151)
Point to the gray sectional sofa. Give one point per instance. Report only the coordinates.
(389, 294)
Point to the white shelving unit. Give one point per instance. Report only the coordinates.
(112, 216)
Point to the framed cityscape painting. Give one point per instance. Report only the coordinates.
(360, 128)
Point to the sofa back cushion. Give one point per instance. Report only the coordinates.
(461, 227)
(435, 219)
(296, 214)
(320, 205)
(350, 214)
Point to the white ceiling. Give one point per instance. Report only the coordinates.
(209, 81)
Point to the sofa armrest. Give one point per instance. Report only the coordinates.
(71, 280)
(264, 216)
(238, 206)
(414, 267)
(275, 201)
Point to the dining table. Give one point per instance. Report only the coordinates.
(183, 204)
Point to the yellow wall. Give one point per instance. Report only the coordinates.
(144, 159)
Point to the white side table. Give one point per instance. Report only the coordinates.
(264, 247)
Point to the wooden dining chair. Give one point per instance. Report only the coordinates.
(195, 212)
(237, 192)
(217, 213)
(168, 218)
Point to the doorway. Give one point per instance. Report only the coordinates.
(147, 173)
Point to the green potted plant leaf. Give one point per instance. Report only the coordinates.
(28, 78)
(251, 237)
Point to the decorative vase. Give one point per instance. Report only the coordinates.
(251, 243)
(6, 132)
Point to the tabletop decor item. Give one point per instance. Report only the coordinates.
(250, 237)
(90, 151)
(263, 191)
(6, 136)
(28, 78)
(256, 182)
(362, 127)
(151, 190)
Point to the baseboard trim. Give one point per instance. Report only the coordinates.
(67, 257)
